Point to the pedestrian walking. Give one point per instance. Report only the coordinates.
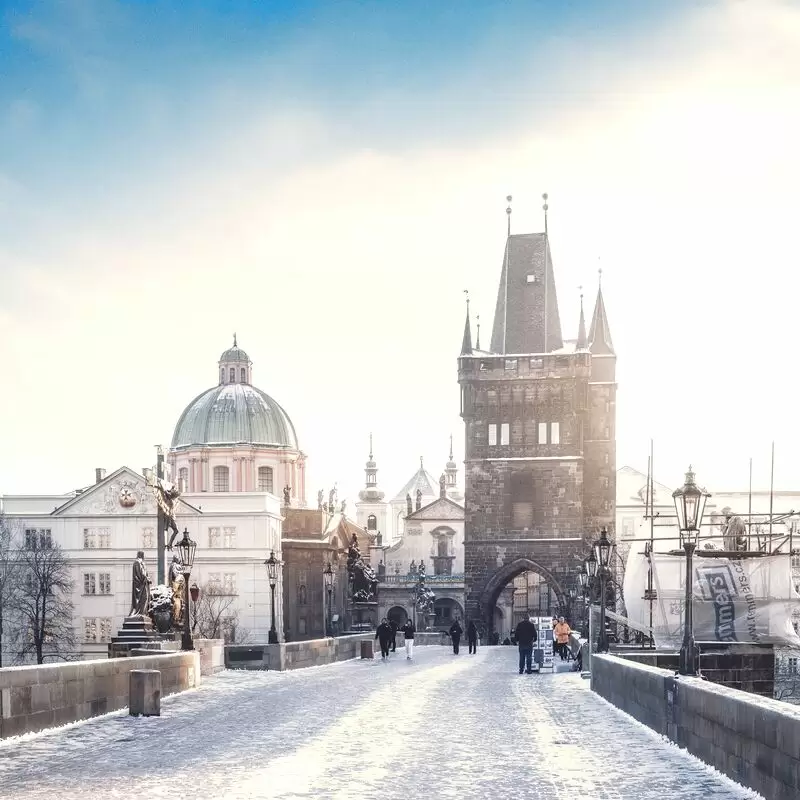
(393, 625)
(562, 632)
(408, 632)
(472, 637)
(526, 634)
(384, 636)
(455, 634)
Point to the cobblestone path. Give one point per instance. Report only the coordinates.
(442, 726)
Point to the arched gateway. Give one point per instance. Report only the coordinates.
(540, 417)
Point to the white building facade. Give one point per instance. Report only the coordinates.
(234, 453)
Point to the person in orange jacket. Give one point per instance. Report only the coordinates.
(562, 632)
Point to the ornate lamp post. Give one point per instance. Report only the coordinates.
(603, 548)
(573, 596)
(690, 502)
(187, 548)
(329, 576)
(272, 573)
(583, 580)
(194, 591)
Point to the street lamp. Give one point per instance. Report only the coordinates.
(194, 591)
(187, 548)
(602, 550)
(329, 576)
(272, 572)
(690, 502)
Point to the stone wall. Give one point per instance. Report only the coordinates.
(295, 655)
(753, 740)
(38, 697)
(748, 667)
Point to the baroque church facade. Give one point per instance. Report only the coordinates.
(540, 417)
(236, 458)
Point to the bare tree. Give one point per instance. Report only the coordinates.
(42, 607)
(9, 579)
(216, 616)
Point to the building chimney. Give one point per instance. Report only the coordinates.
(99, 475)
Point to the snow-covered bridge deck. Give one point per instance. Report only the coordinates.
(442, 726)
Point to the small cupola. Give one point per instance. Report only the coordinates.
(235, 365)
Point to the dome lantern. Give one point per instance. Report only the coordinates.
(235, 366)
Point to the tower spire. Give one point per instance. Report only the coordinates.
(478, 336)
(508, 215)
(371, 492)
(466, 342)
(234, 340)
(451, 469)
(582, 342)
(370, 446)
(599, 331)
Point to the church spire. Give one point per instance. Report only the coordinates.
(371, 491)
(451, 469)
(582, 342)
(599, 332)
(466, 342)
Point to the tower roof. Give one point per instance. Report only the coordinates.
(599, 332)
(422, 480)
(582, 342)
(466, 342)
(526, 278)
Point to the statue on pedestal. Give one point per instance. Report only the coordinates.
(175, 579)
(409, 507)
(419, 499)
(287, 496)
(735, 532)
(442, 485)
(140, 591)
(364, 581)
(320, 501)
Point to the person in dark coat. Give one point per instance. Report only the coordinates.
(455, 634)
(384, 636)
(393, 626)
(472, 637)
(526, 634)
(408, 631)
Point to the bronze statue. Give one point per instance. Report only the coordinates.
(167, 495)
(364, 580)
(419, 499)
(442, 486)
(175, 579)
(287, 495)
(140, 590)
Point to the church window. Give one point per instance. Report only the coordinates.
(265, 480)
(607, 433)
(606, 459)
(232, 375)
(89, 539)
(222, 375)
(213, 537)
(537, 363)
(221, 479)
(214, 582)
(555, 433)
(229, 583)
(542, 433)
(511, 364)
(244, 375)
(530, 277)
(105, 582)
(183, 479)
(441, 547)
(38, 538)
(604, 482)
(89, 583)
(147, 538)
(492, 435)
(302, 576)
(628, 527)
(372, 523)
(229, 537)
(505, 429)
(522, 501)
(302, 626)
(103, 538)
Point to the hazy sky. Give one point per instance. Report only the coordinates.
(326, 179)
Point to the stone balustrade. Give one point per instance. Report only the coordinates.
(753, 740)
(37, 697)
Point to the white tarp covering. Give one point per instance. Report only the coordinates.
(734, 600)
(634, 586)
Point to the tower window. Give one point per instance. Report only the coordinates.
(542, 433)
(372, 523)
(222, 375)
(537, 363)
(232, 375)
(183, 479)
(265, 479)
(555, 433)
(522, 501)
(221, 481)
(244, 375)
(511, 364)
(371, 479)
(505, 433)
(530, 278)
(492, 435)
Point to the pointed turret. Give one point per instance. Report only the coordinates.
(466, 342)
(371, 492)
(583, 342)
(599, 332)
(451, 468)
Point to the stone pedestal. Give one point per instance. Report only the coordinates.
(368, 649)
(137, 633)
(144, 693)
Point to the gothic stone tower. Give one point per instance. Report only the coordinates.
(540, 435)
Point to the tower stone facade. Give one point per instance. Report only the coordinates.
(539, 418)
